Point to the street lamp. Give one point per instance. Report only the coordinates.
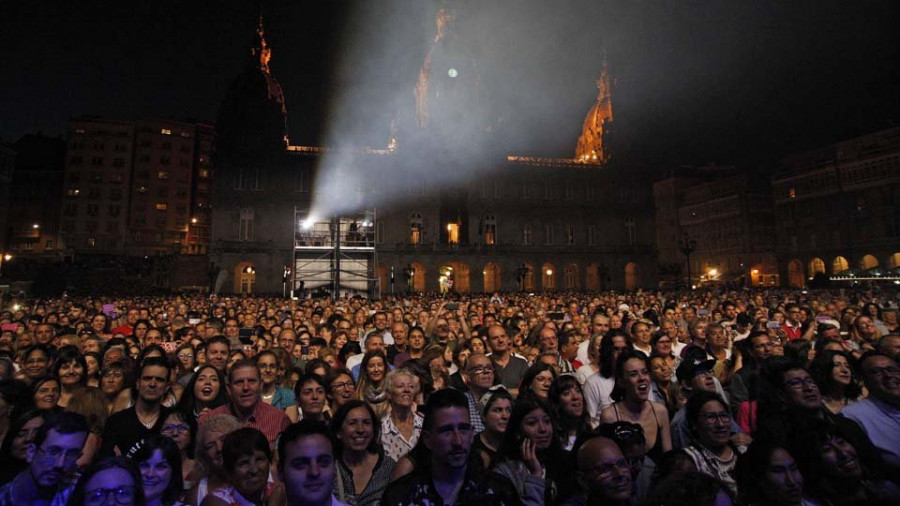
(687, 246)
(6, 257)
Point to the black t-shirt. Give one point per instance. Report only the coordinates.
(124, 431)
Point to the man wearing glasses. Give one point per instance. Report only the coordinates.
(479, 378)
(51, 461)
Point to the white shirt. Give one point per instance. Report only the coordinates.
(583, 354)
(597, 395)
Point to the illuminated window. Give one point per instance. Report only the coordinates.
(162, 174)
(415, 228)
(490, 229)
(453, 233)
(165, 131)
(73, 192)
(792, 193)
(161, 206)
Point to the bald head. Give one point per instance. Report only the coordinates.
(604, 472)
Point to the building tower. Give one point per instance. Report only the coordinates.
(593, 144)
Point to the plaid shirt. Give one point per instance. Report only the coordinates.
(269, 420)
(475, 413)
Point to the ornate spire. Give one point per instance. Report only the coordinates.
(593, 143)
(261, 50)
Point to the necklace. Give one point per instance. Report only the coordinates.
(269, 396)
(147, 422)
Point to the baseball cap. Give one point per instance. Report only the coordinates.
(689, 368)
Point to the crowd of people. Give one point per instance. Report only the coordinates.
(703, 397)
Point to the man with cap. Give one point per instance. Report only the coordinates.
(696, 374)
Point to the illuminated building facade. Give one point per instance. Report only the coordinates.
(137, 187)
(723, 218)
(513, 223)
(838, 208)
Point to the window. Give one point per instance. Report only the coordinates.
(165, 131)
(246, 179)
(165, 160)
(96, 177)
(527, 235)
(91, 242)
(93, 210)
(379, 232)
(73, 192)
(116, 178)
(415, 228)
(161, 206)
(629, 231)
(97, 160)
(570, 191)
(142, 190)
(301, 184)
(163, 174)
(48, 244)
(570, 234)
(453, 233)
(94, 193)
(548, 234)
(70, 210)
(592, 234)
(548, 191)
(118, 162)
(76, 160)
(115, 211)
(204, 173)
(490, 229)
(112, 227)
(245, 233)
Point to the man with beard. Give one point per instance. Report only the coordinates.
(51, 457)
(125, 429)
(446, 475)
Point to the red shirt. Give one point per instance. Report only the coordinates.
(270, 420)
(792, 332)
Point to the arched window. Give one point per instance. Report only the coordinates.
(245, 233)
(490, 229)
(527, 235)
(415, 228)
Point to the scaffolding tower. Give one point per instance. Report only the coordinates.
(335, 254)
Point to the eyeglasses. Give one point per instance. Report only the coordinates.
(121, 495)
(481, 370)
(36, 361)
(185, 355)
(341, 386)
(605, 470)
(878, 372)
(53, 453)
(800, 383)
(711, 418)
(703, 372)
(171, 429)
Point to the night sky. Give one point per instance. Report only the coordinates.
(735, 82)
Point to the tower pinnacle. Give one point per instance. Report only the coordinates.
(593, 143)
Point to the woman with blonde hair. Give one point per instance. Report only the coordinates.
(91, 403)
(210, 474)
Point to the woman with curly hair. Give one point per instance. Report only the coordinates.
(835, 373)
